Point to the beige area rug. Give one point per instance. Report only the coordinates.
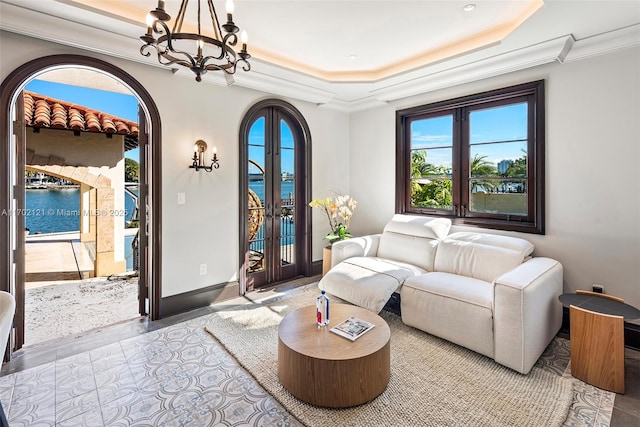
(433, 382)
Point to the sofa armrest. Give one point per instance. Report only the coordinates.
(357, 246)
(527, 312)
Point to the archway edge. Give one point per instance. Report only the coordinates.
(280, 103)
(14, 82)
(9, 91)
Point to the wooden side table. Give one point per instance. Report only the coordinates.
(597, 338)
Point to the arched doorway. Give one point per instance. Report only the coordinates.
(12, 161)
(275, 184)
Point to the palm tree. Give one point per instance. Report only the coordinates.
(482, 168)
(430, 184)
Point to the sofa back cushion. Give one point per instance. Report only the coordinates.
(413, 239)
(480, 261)
(508, 242)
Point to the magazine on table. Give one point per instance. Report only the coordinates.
(352, 328)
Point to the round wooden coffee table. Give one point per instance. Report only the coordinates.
(325, 369)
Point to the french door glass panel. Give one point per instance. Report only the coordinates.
(287, 195)
(272, 200)
(257, 192)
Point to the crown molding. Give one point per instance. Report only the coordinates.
(50, 28)
(601, 44)
(282, 84)
(531, 56)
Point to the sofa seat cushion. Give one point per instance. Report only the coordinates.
(456, 308)
(367, 282)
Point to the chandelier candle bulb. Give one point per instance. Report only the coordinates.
(230, 7)
(149, 20)
(244, 38)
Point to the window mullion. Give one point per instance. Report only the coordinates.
(461, 161)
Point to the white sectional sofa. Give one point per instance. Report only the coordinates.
(482, 291)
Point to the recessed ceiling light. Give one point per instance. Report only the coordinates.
(469, 7)
(353, 56)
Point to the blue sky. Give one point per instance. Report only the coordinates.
(116, 104)
(256, 146)
(508, 123)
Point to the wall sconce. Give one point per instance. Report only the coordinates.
(198, 153)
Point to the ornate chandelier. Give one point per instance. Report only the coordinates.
(212, 53)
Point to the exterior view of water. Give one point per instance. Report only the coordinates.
(286, 189)
(58, 210)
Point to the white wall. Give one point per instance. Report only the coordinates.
(206, 228)
(592, 167)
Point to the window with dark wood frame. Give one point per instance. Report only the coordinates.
(478, 159)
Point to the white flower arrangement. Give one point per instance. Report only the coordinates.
(339, 213)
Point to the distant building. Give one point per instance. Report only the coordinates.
(503, 165)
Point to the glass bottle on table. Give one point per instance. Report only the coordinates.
(322, 309)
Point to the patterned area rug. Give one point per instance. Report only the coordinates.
(433, 382)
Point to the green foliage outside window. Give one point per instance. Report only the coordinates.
(431, 185)
(518, 168)
(131, 170)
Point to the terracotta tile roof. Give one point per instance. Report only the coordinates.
(43, 112)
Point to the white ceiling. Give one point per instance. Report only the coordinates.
(302, 48)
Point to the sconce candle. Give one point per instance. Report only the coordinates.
(198, 150)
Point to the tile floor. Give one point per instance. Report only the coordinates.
(171, 372)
